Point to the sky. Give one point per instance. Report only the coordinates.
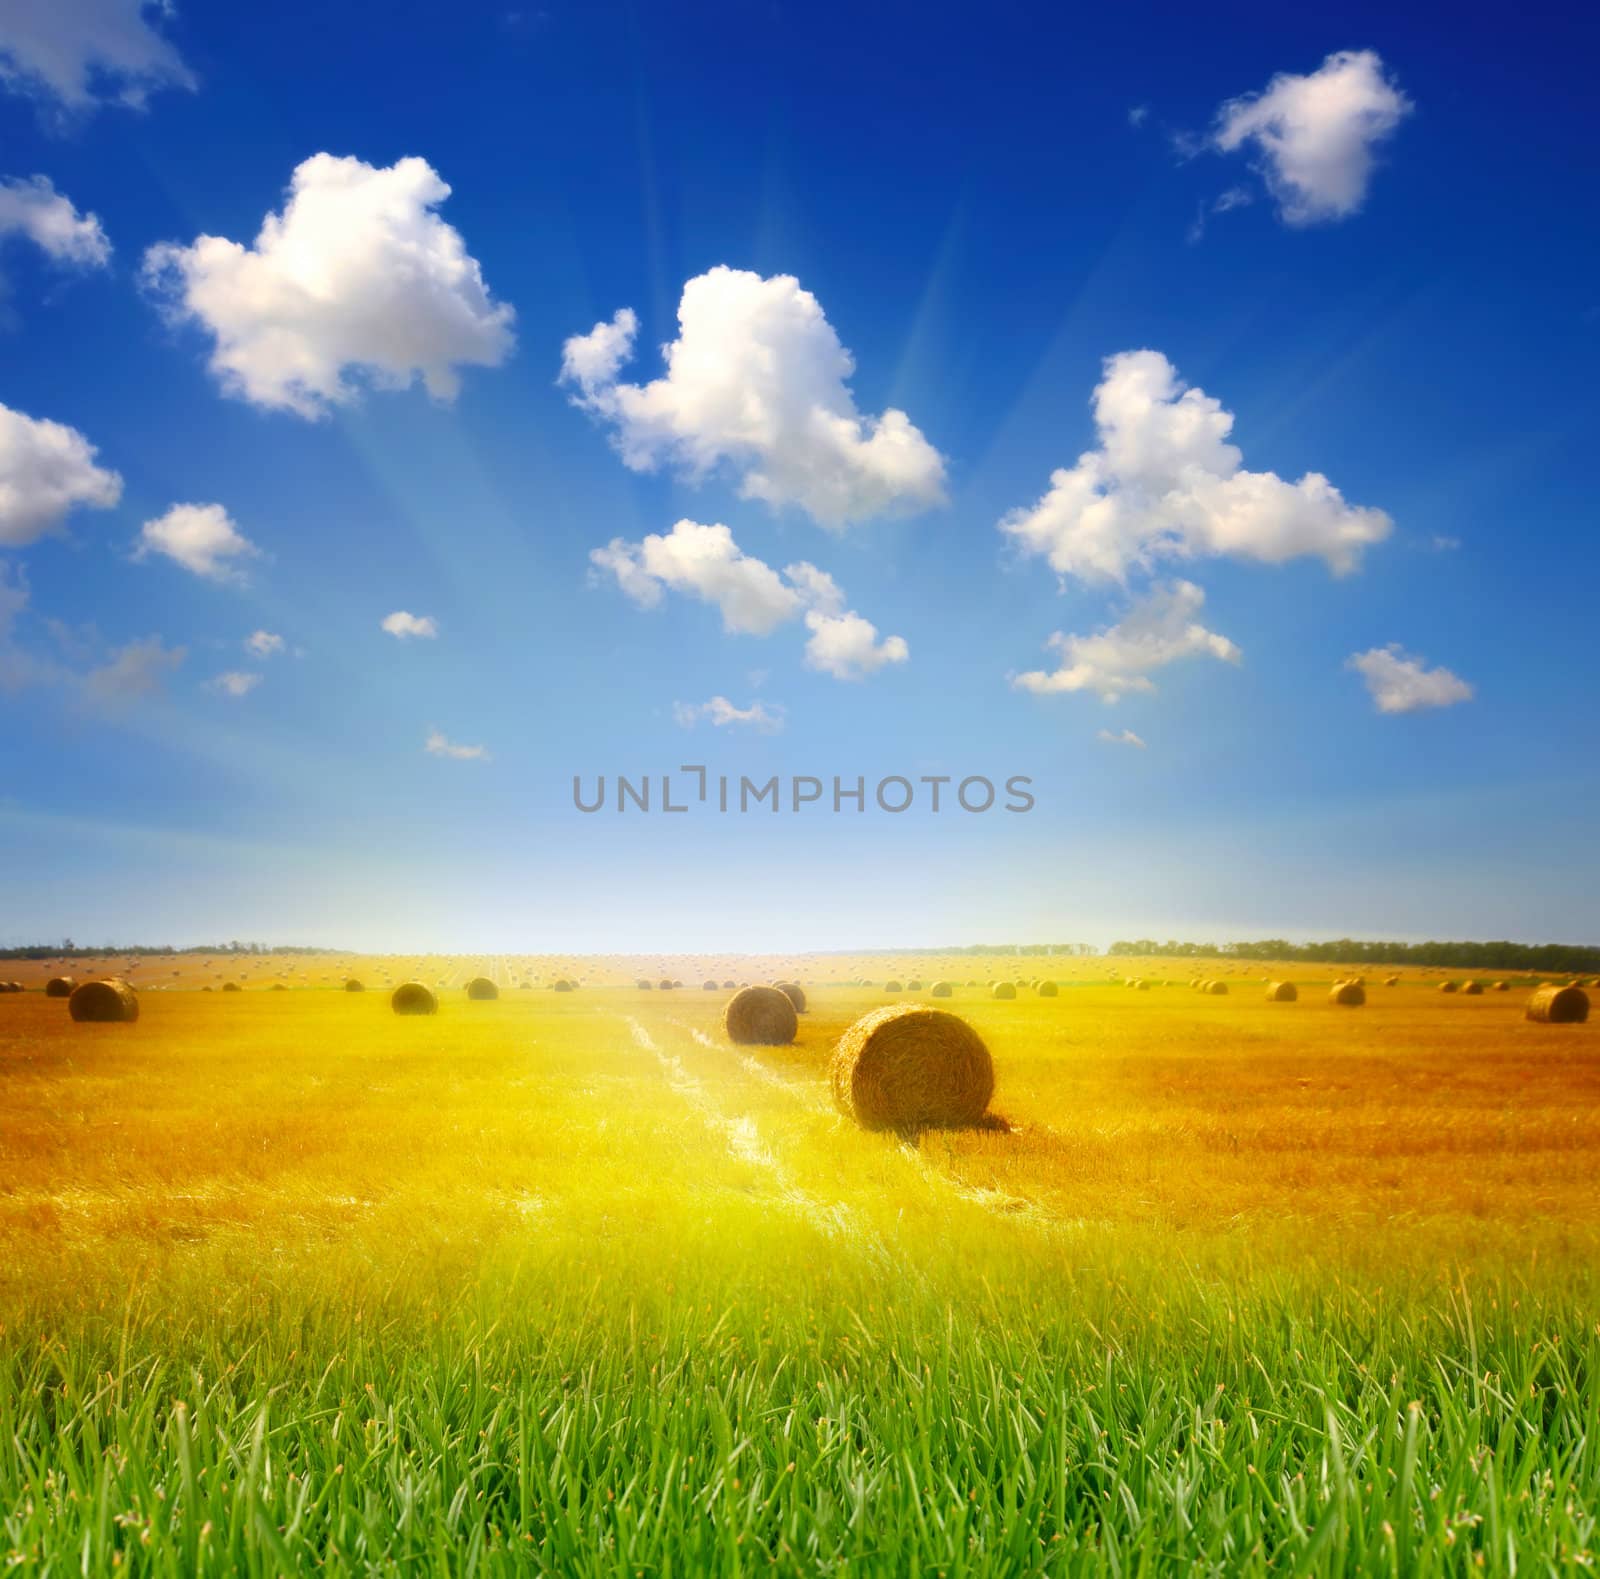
(409, 410)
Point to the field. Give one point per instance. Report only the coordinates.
(563, 1282)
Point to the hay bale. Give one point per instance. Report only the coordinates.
(643, 986)
(1214, 989)
(279, 986)
(482, 989)
(1500, 986)
(1391, 981)
(664, 985)
(412, 997)
(1351, 994)
(1554, 1005)
(1003, 989)
(908, 1067)
(1449, 986)
(893, 986)
(1047, 989)
(352, 985)
(913, 986)
(232, 986)
(1282, 992)
(940, 989)
(794, 992)
(731, 986)
(109, 1000)
(710, 986)
(760, 1017)
(1472, 989)
(59, 987)
(561, 984)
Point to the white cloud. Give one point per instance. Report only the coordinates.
(438, 746)
(407, 627)
(1443, 543)
(46, 470)
(86, 52)
(1125, 737)
(235, 683)
(1159, 629)
(754, 599)
(847, 646)
(767, 717)
(357, 279)
(13, 598)
(200, 537)
(1400, 683)
(1165, 483)
(1138, 115)
(1316, 134)
(756, 382)
(49, 219)
(263, 644)
(135, 670)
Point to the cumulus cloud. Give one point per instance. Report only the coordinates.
(847, 646)
(1316, 134)
(1165, 483)
(263, 644)
(410, 627)
(1159, 629)
(1400, 683)
(1124, 737)
(355, 281)
(705, 562)
(757, 384)
(136, 670)
(235, 683)
(36, 211)
(81, 53)
(200, 537)
(766, 717)
(46, 470)
(439, 746)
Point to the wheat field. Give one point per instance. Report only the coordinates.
(565, 1283)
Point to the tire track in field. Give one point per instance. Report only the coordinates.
(744, 1142)
(1013, 1208)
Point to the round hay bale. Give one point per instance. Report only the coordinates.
(1351, 994)
(1214, 989)
(561, 984)
(59, 987)
(1472, 989)
(232, 986)
(1047, 989)
(1449, 986)
(731, 986)
(1282, 992)
(352, 985)
(907, 1067)
(893, 986)
(279, 986)
(760, 1017)
(1391, 981)
(411, 997)
(643, 986)
(1554, 1005)
(940, 989)
(913, 986)
(1141, 985)
(1500, 986)
(1003, 989)
(794, 992)
(111, 999)
(482, 989)
(710, 986)
(664, 985)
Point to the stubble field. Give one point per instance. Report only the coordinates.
(563, 1282)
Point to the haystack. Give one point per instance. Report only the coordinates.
(1349, 993)
(481, 987)
(761, 1017)
(1282, 992)
(1472, 988)
(1449, 986)
(940, 989)
(1391, 981)
(1047, 989)
(111, 999)
(913, 986)
(892, 986)
(1500, 986)
(561, 984)
(710, 986)
(907, 1067)
(352, 985)
(411, 997)
(1554, 1005)
(59, 987)
(794, 992)
(664, 985)
(1003, 989)
(232, 986)
(1214, 989)
(642, 985)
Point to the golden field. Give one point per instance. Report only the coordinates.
(564, 1282)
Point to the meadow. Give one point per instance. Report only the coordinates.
(565, 1283)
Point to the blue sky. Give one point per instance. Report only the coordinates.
(1299, 315)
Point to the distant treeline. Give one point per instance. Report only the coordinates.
(1555, 958)
(67, 949)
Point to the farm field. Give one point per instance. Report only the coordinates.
(563, 1282)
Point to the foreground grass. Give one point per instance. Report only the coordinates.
(287, 1285)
